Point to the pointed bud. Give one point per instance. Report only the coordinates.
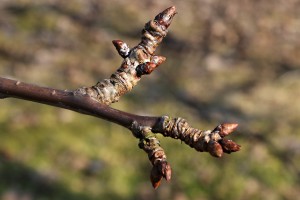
(155, 177)
(225, 129)
(215, 149)
(167, 172)
(122, 48)
(165, 17)
(229, 146)
(158, 60)
(148, 67)
(144, 68)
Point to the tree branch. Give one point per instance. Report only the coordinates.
(69, 100)
(94, 101)
(138, 61)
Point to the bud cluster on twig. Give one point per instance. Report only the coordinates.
(138, 61)
(203, 141)
(156, 154)
(94, 101)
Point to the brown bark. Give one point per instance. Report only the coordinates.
(94, 101)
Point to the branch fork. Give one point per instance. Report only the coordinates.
(138, 61)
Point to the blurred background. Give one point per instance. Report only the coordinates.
(227, 61)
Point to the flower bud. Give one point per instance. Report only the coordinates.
(164, 18)
(155, 177)
(226, 129)
(167, 171)
(148, 67)
(229, 146)
(122, 48)
(215, 149)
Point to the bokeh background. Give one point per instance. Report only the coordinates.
(227, 61)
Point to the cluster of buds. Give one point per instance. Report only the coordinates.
(140, 61)
(160, 167)
(152, 34)
(213, 142)
(203, 141)
(156, 154)
(227, 146)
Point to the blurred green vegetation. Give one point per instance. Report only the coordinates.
(227, 61)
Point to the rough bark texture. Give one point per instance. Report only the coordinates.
(94, 101)
(211, 141)
(137, 61)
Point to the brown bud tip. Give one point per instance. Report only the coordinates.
(215, 149)
(225, 129)
(148, 67)
(229, 146)
(122, 48)
(165, 17)
(145, 68)
(167, 172)
(158, 60)
(155, 177)
(117, 43)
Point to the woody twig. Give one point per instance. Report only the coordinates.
(95, 100)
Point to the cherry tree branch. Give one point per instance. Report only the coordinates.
(138, 61)
(95, 101)
(68, 100)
